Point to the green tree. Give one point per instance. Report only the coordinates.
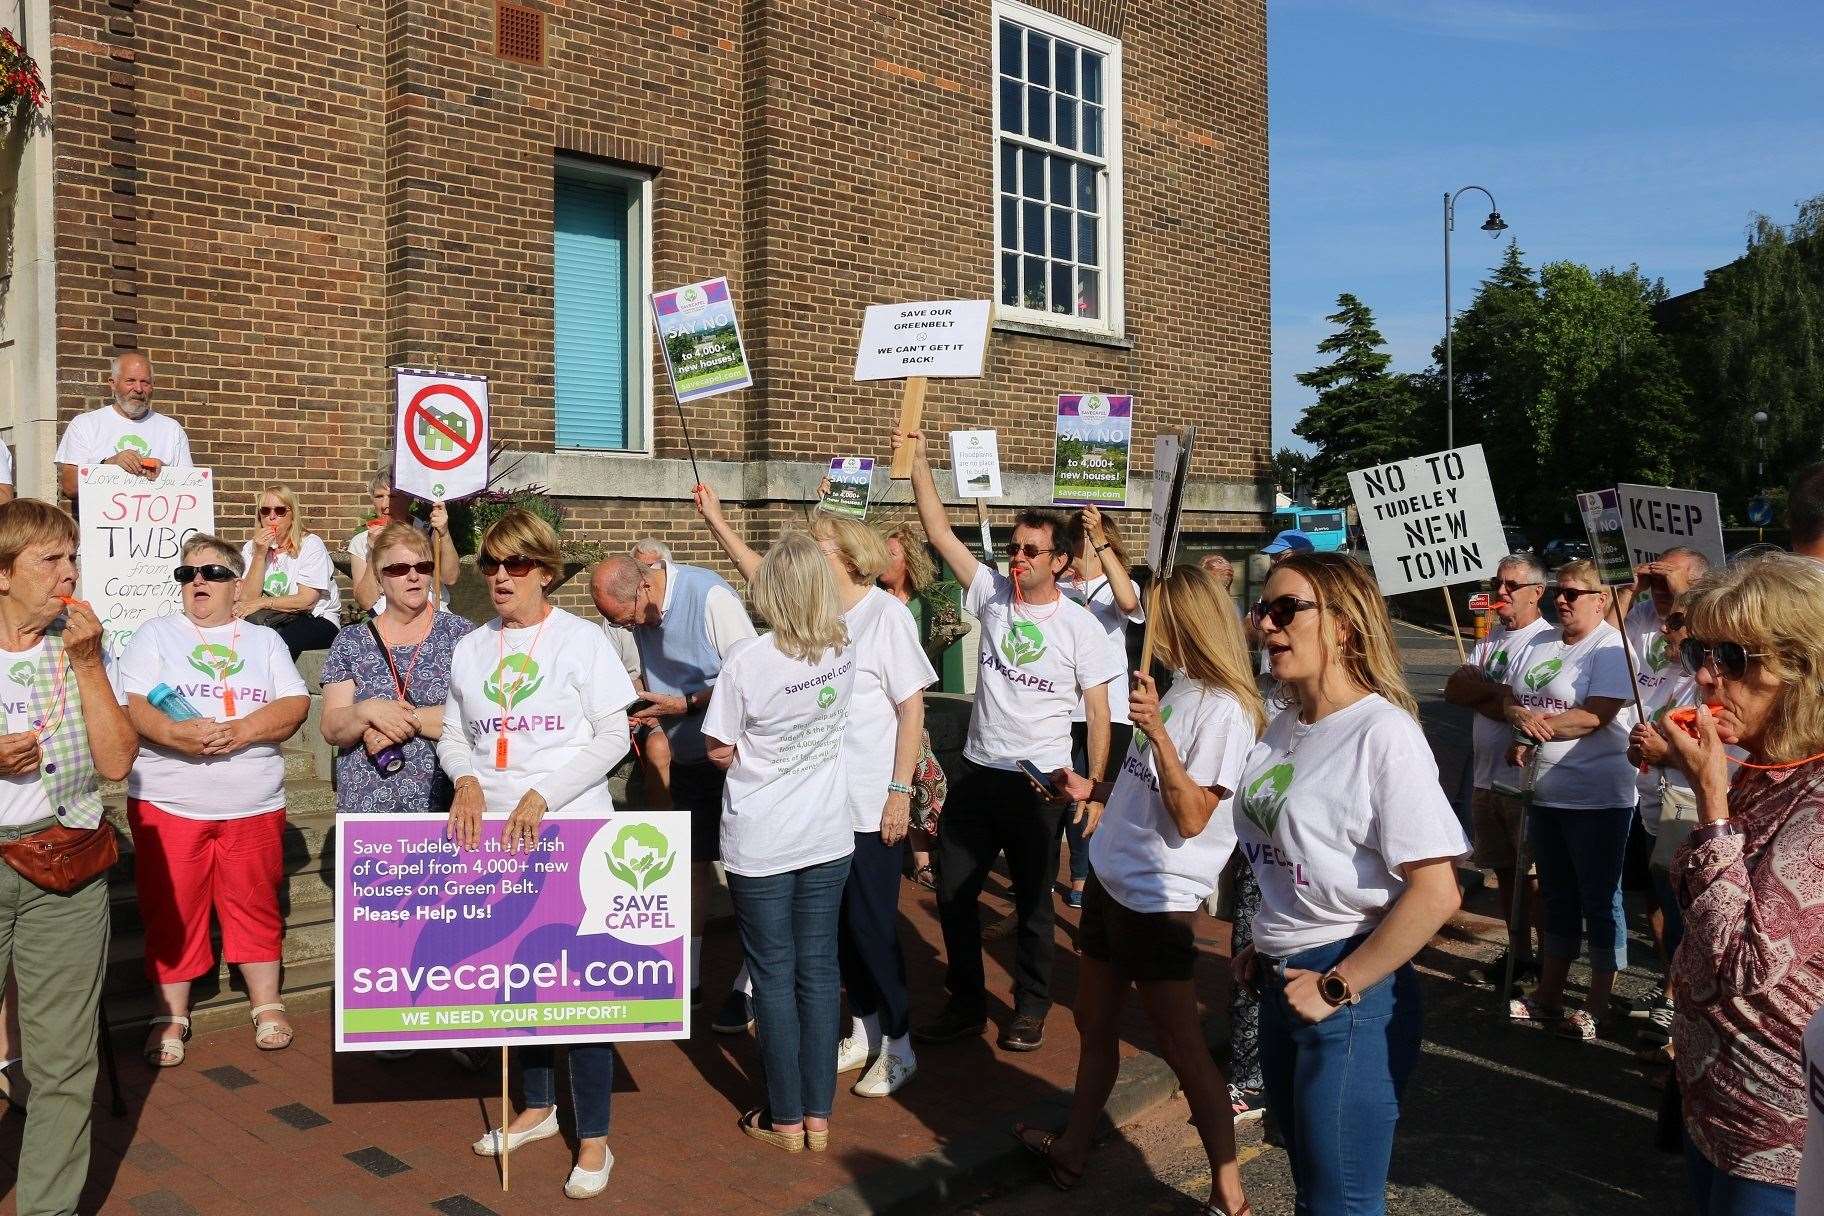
(1291, 472)
(1363, 412)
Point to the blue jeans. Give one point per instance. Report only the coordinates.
(1580, 854)
(1334, 1086)
(591, 1083)
(788, 933)
(1718, 1194)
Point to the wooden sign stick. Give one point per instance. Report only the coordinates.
(981, 515)
(1456, 635)
(1627, 652)
(911, 417)
(506, 1121)
(1146, 636)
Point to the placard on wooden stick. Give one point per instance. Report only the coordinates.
(1171, 470)
(915, 342)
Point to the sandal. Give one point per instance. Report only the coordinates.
(1038, 1142)
(1526, 1009)
(270, 1036)
(163, 1052)
(926, 877)
(758, 1124)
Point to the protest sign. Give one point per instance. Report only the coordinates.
(701, 338)
(851, 478)
(581, 939)
(440, 434)
(133, 531)
(1601, 511)
(1430, 521)
(1657, 518)
(942, 338)
(1089, 460)
(975, 463)
(1171, 469)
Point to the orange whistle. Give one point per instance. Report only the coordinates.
(1685, 717)
(500, 751)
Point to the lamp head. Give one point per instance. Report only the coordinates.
(1760, 418)
(1494, 223)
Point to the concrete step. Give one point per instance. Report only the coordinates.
(310, 933)
(309, 822)
(217, 1002)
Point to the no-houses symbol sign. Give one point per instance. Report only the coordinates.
(440, 435)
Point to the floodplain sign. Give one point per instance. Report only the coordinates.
(1430, 521)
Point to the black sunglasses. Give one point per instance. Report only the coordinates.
(517, 566)
(1727, 659)
(1280, 611)
(401, 569)
(1507, 586)
(1571, 595)
(265, 511)
(1030, 552)
(211, 573)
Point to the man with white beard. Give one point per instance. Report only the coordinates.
(126, 432)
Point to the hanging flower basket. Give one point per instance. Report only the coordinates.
(22, 93)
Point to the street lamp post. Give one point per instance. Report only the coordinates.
(1494, 225)
(1760, 451)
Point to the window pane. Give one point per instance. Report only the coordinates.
(1092, 130)
(1010, 279)
(1086, 189)
(1010, 168)
(1032, 173)
(1060, 232)
(1010, 222)
(1089, 294)
(1038, 58)
(1067, 123)
(1092, 76)
(593, 259)
(1011, 92)
(1010, 48)
(1060, 290)
(1066, 80)
(1086, 241)
(1032, 294)
(1038, 112)
(1060, 180)
(1034, 229)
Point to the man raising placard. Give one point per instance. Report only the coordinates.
(1040, 652)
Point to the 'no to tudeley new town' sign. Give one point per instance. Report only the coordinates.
(1430, 521)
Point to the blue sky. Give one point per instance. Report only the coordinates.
(1610, 133)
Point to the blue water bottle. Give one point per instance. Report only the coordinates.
(165, 700)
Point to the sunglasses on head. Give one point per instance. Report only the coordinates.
(1280, 611)
(212, 573)
(401, 569)
(1507, 586)
(1726, 659)
(1571, 595)
(1029, 552)
(516, 565)
(265, 511)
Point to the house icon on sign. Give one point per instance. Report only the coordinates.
(431, 439)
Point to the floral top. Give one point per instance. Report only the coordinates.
(421, 784)
(1750, 973)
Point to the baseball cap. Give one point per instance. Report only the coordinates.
(1289, 541)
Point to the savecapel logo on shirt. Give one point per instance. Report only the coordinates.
(641, 856)
(22, 673)
(1543, 674)
(216, 661)
(1263, 801)
(1656, 653)
(1023, 643)
(1497, 664)
(1140, 739)
(275, 583)
(514, 680)
(826, 697)
(135, 443)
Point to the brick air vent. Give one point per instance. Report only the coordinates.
(519, 33)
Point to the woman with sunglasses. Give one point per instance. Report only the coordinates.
(1750, 882)
(384, 685)
(535, 720)
(1569, 701)
(1352, 841)
(206, 798)
(293, 579)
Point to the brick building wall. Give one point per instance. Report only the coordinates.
(278, 201)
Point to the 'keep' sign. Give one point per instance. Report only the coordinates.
(1657, 518)
(1430, 521)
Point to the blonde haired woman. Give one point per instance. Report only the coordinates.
(1166, 833)
(289, 575)
(776, 722)
(1352, 840)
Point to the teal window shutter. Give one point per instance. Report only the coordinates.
(590, 299)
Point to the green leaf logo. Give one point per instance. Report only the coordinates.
(1497, 664)
(1656, 652)
(1543, 674)
(1266, 798)
(641, 856)
(1140, 740)
(22, 673)
(216, 662)
(1023, 643)
(134, 442)
(826, 697)
(276, 582)
(514, 681)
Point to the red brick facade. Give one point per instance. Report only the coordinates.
(278, 201)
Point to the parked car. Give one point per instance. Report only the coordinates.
(1557, 552)
(1517, 541)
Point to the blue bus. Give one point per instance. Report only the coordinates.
(1328, 527)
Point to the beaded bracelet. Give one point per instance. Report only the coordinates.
(894, 787)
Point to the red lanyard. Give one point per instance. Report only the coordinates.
(506, 694)
(402, 682)
(221, 668)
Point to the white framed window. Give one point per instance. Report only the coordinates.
(601, 327)
(1057, 136)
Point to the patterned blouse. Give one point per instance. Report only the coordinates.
(1750, 973)
(420, 785)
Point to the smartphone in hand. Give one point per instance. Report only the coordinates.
(1038, 776)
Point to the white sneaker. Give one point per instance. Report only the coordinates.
(587, 1184)
(885, 1076)
(489, 1145)
(852, 1053)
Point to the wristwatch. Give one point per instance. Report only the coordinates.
(1336, 990)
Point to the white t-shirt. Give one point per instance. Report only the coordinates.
(97, 435)
(543, 690)
(1098, 595)
(357, 552)
(1811, 1165)
(6, 465)
(253, 660)
(1035, 665)
(1494, 655)
(624, 647)
(1550, 677)
(286, 574)
(785, 805)
(891, 666)
(1136, 850)
(1328, 813)
(22, 797)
